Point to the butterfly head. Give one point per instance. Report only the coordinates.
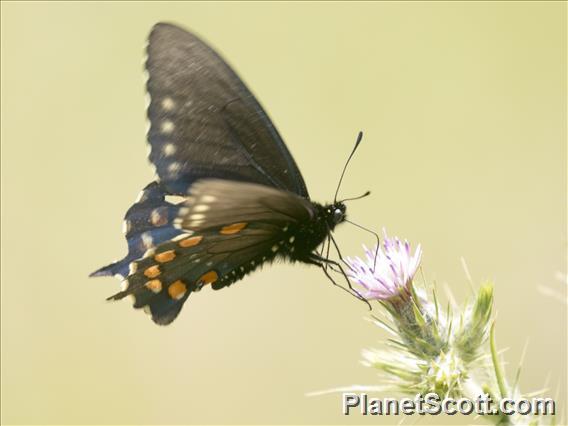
(335, 214)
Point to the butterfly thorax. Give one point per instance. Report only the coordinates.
(309, 235)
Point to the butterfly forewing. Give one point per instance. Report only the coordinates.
(216, 202)
(205, 122)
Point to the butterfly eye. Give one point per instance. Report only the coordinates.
(337, 215)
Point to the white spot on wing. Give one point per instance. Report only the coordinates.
(174, 168)
(168, 104)
(156, 217)
(275, 248)
(182, 236)
(147, 97)
(175, 199)
(167, 127)
(141, 197)
(169, 149)
(147, 240)
(291, 239)
(148, 101)
(201, 208)
(149, 253)
(197, 216)
(126, 225)
(208, 199)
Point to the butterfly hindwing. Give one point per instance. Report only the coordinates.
(204, 122)
(225, 230)
(148, 223)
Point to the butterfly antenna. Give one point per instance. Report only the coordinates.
(376, 236)
(366, 194)
(357, 142)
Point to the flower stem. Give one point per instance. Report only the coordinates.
(496, 365)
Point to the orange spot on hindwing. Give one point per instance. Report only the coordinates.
(154, 285)
(190, 242)
(177, 290)
(152, 271)
(208, 278)
(166, 256)
(233, 228)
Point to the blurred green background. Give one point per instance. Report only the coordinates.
(464, 111)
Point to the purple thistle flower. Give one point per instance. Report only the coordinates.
(392, 272)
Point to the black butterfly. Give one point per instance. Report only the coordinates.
(244, 200)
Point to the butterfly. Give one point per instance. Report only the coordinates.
(242, 201)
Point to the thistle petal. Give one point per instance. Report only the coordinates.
(392, 271)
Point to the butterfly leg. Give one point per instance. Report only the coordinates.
(323, 263)
(339, 254)
(333, 264)
(323, 266)
(326, 247)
